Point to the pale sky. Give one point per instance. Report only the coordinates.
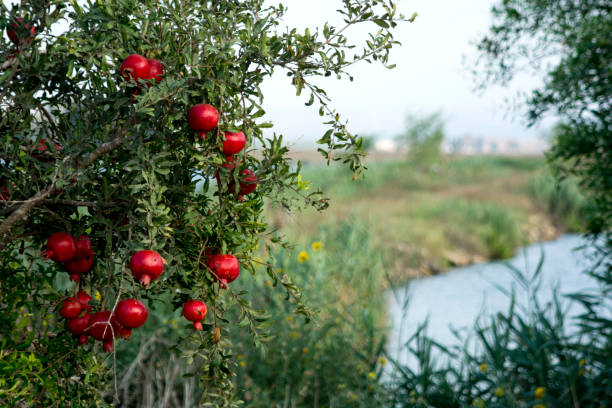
(429, 76)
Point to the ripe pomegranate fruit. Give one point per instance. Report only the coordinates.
(195, 311)
(83, 339)
(107, 345)
(83, 247)
(60, 247)
(125, 333)
(225, 268)
(71, 308)
(101, 329)
(233, 143)
(135, 67)
(83, 297)
(131, 313)
(156, 70)
(20, 27)
(203, 118)
(77, 267)
(79, 325)
(248, 183)
(146, 266)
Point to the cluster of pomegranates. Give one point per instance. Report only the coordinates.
(105, 325)
(204, 118)
(145, 266)
(137, 67)
(15, 30)
(75, 255)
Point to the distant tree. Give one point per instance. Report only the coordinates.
(571, 42)
(423, 137)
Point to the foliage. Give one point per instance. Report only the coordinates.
(82, 152)
(334, 360)
(571, 41)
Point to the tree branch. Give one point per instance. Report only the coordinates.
(22, 212)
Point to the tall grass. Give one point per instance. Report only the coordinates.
(564, 200)
(332, 362)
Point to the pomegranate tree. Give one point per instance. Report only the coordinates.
(99, 142)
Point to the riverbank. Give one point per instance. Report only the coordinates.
(456, 212)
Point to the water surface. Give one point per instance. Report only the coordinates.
(461, 295)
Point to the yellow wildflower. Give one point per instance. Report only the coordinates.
(97, 295)
(305, 350)
(289, 318)
(268, 283)
(581, 362)
(303, 257)
(540, 392)
(382, 361)
(483, 367)
(499, 392)
(371, 375)
(242, 364)
(294, 334)
(317, 246)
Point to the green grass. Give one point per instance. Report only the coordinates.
(456, 211)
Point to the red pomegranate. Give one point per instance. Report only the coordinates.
(203, 118)
(79, 325)
(60, 247)
(83, 297)
(233, 143)
(71, 308)
(156, 70)
(135, 67)
(225, 268)
(99, 327)
(17, 27)
(146, 266)
(77, 267)
(195, 311)
(83, 339)
(131, 313)
(248, 183)
(107, 345)
(83, 247)
(125, 333)
(42, 146)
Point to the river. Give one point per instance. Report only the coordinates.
(459, 296)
